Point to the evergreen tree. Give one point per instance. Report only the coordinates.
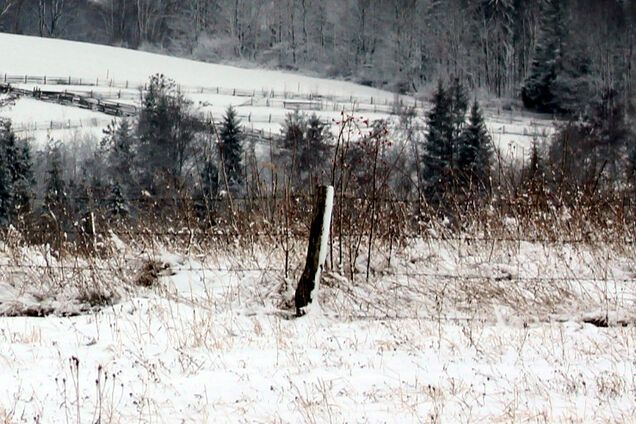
(23, 181)
(116, 204)
(55, 196)
(165, 133)
(6, 186)
(292, 142)
(118, 143)
(16, 175)
(314, 150)
(231, 148)
(475, 152)
(458, 106)
(538, 90)
(437, 159)
(210, 179)
(534, 174)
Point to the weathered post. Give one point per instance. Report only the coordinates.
(307, 290)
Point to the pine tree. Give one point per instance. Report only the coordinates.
(231, 148)
(16, 175)
(293, 132)
(314, 149)
(165, 133)
(534, 173)
(437, 159)
(24, 180)
(210, 179)
(6, 186)
(475, 151)
(55, 196)
(116, 204)
(118, 143)
(537, 91)
(458, 106)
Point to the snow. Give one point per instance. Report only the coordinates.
(209, 343)
(44, 56)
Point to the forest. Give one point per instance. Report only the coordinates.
(401, 45)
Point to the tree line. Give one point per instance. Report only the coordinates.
(172, 166)
(505, 47)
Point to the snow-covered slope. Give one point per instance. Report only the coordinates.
(44, 56)
(261, 97)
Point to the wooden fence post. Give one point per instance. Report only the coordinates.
(308, 286)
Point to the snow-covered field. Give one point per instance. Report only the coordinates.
(263, 98)
(209, 341)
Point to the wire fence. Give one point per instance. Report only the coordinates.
(585, 280)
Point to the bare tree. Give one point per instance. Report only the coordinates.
(5, 6)
(50, 14)
(116, 17)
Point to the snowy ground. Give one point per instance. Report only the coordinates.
(507, 342)
(262, 97)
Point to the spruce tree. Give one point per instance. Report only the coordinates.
(458, 106)
(475, 151)
(231, 148)
(210, 179)
(55, 196)
(534, 174)
(116, 204)
(16, 175)
(23, 180)
(437, 159)
(292, 142)
(165, 133)
(537, 91)
(6, 186)
(118, 143)
(314, 149)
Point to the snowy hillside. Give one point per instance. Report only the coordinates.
(262, 97)
(43, 56)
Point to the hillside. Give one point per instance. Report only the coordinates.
(262, 97)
